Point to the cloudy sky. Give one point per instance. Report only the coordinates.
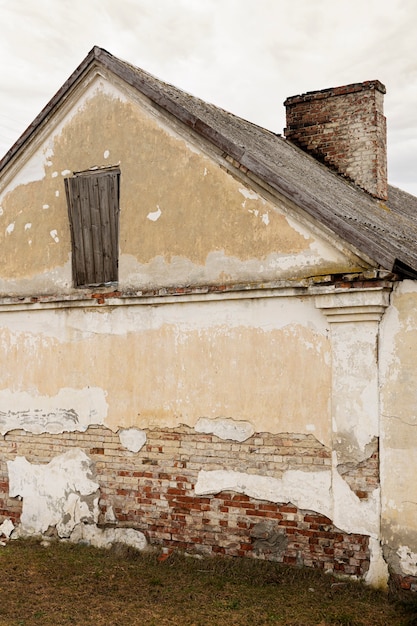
(246, 56)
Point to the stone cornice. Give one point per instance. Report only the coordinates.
(354, 305)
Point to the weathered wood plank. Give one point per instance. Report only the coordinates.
(78, 256)
(97, 236)
(93, 209)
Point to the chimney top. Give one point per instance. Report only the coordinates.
(345, 128)
(336, 91)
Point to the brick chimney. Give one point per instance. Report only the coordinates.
(345, 128)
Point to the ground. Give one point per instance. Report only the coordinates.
(63, 584)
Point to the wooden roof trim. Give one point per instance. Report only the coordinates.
(138, 80)
(381, 253)
(134, 79)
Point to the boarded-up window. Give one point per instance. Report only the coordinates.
(93, 209)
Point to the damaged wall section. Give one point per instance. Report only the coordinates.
(154, 492)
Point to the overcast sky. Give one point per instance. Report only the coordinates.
(246, 56)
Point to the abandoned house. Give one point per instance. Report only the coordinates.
(208, 331)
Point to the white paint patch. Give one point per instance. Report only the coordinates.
(105, 538)
(6, 528)
(154, 215)
(45, 206)
(48, 152)
(254, 211)
(205, 171)
(109, 515)
(1, 210)
(265, 218)
(306, 490)
(54, 174)
(28, 226)
(31, 171)
(71, 410)
(248, 193)
(54, 235)
(106, 154)
(378, 574)
(57, 193)
(406, 286)
(310, 428)
(132, 439)
(352, 514)
(10, 228)
(408, 560)
(322, 491)
(60, 494)
(65, 172)
(225, 428)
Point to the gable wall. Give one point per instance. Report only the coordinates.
(184, 220)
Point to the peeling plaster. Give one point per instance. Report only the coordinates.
(398, 428)
(32, 170)
(323, 491)
(225, 428)
(162, 271)
(42, 414)
(105, 538)
(306, 490)
(60, 494)
(251, 351)
(378, 574)
(154, 215)
(59, 279)
(248, 193)
(408, 560)
(132, 439)
(254, 252)
(54, 235)
(6, 528)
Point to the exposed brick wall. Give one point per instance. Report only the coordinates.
(153, 491)
(363, 478)
(345, 128)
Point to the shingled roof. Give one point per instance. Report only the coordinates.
(385, 232)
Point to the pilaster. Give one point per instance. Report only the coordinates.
(353, 318)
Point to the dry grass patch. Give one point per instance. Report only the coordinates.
(66, 584)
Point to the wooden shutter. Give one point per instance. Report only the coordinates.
(93, 209)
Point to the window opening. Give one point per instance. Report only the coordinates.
(93, 210)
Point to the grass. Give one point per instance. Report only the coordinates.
(66, 584)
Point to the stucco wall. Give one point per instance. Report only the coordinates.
(167, 365)
(242, 392)
(399, 424)
(184, 218)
